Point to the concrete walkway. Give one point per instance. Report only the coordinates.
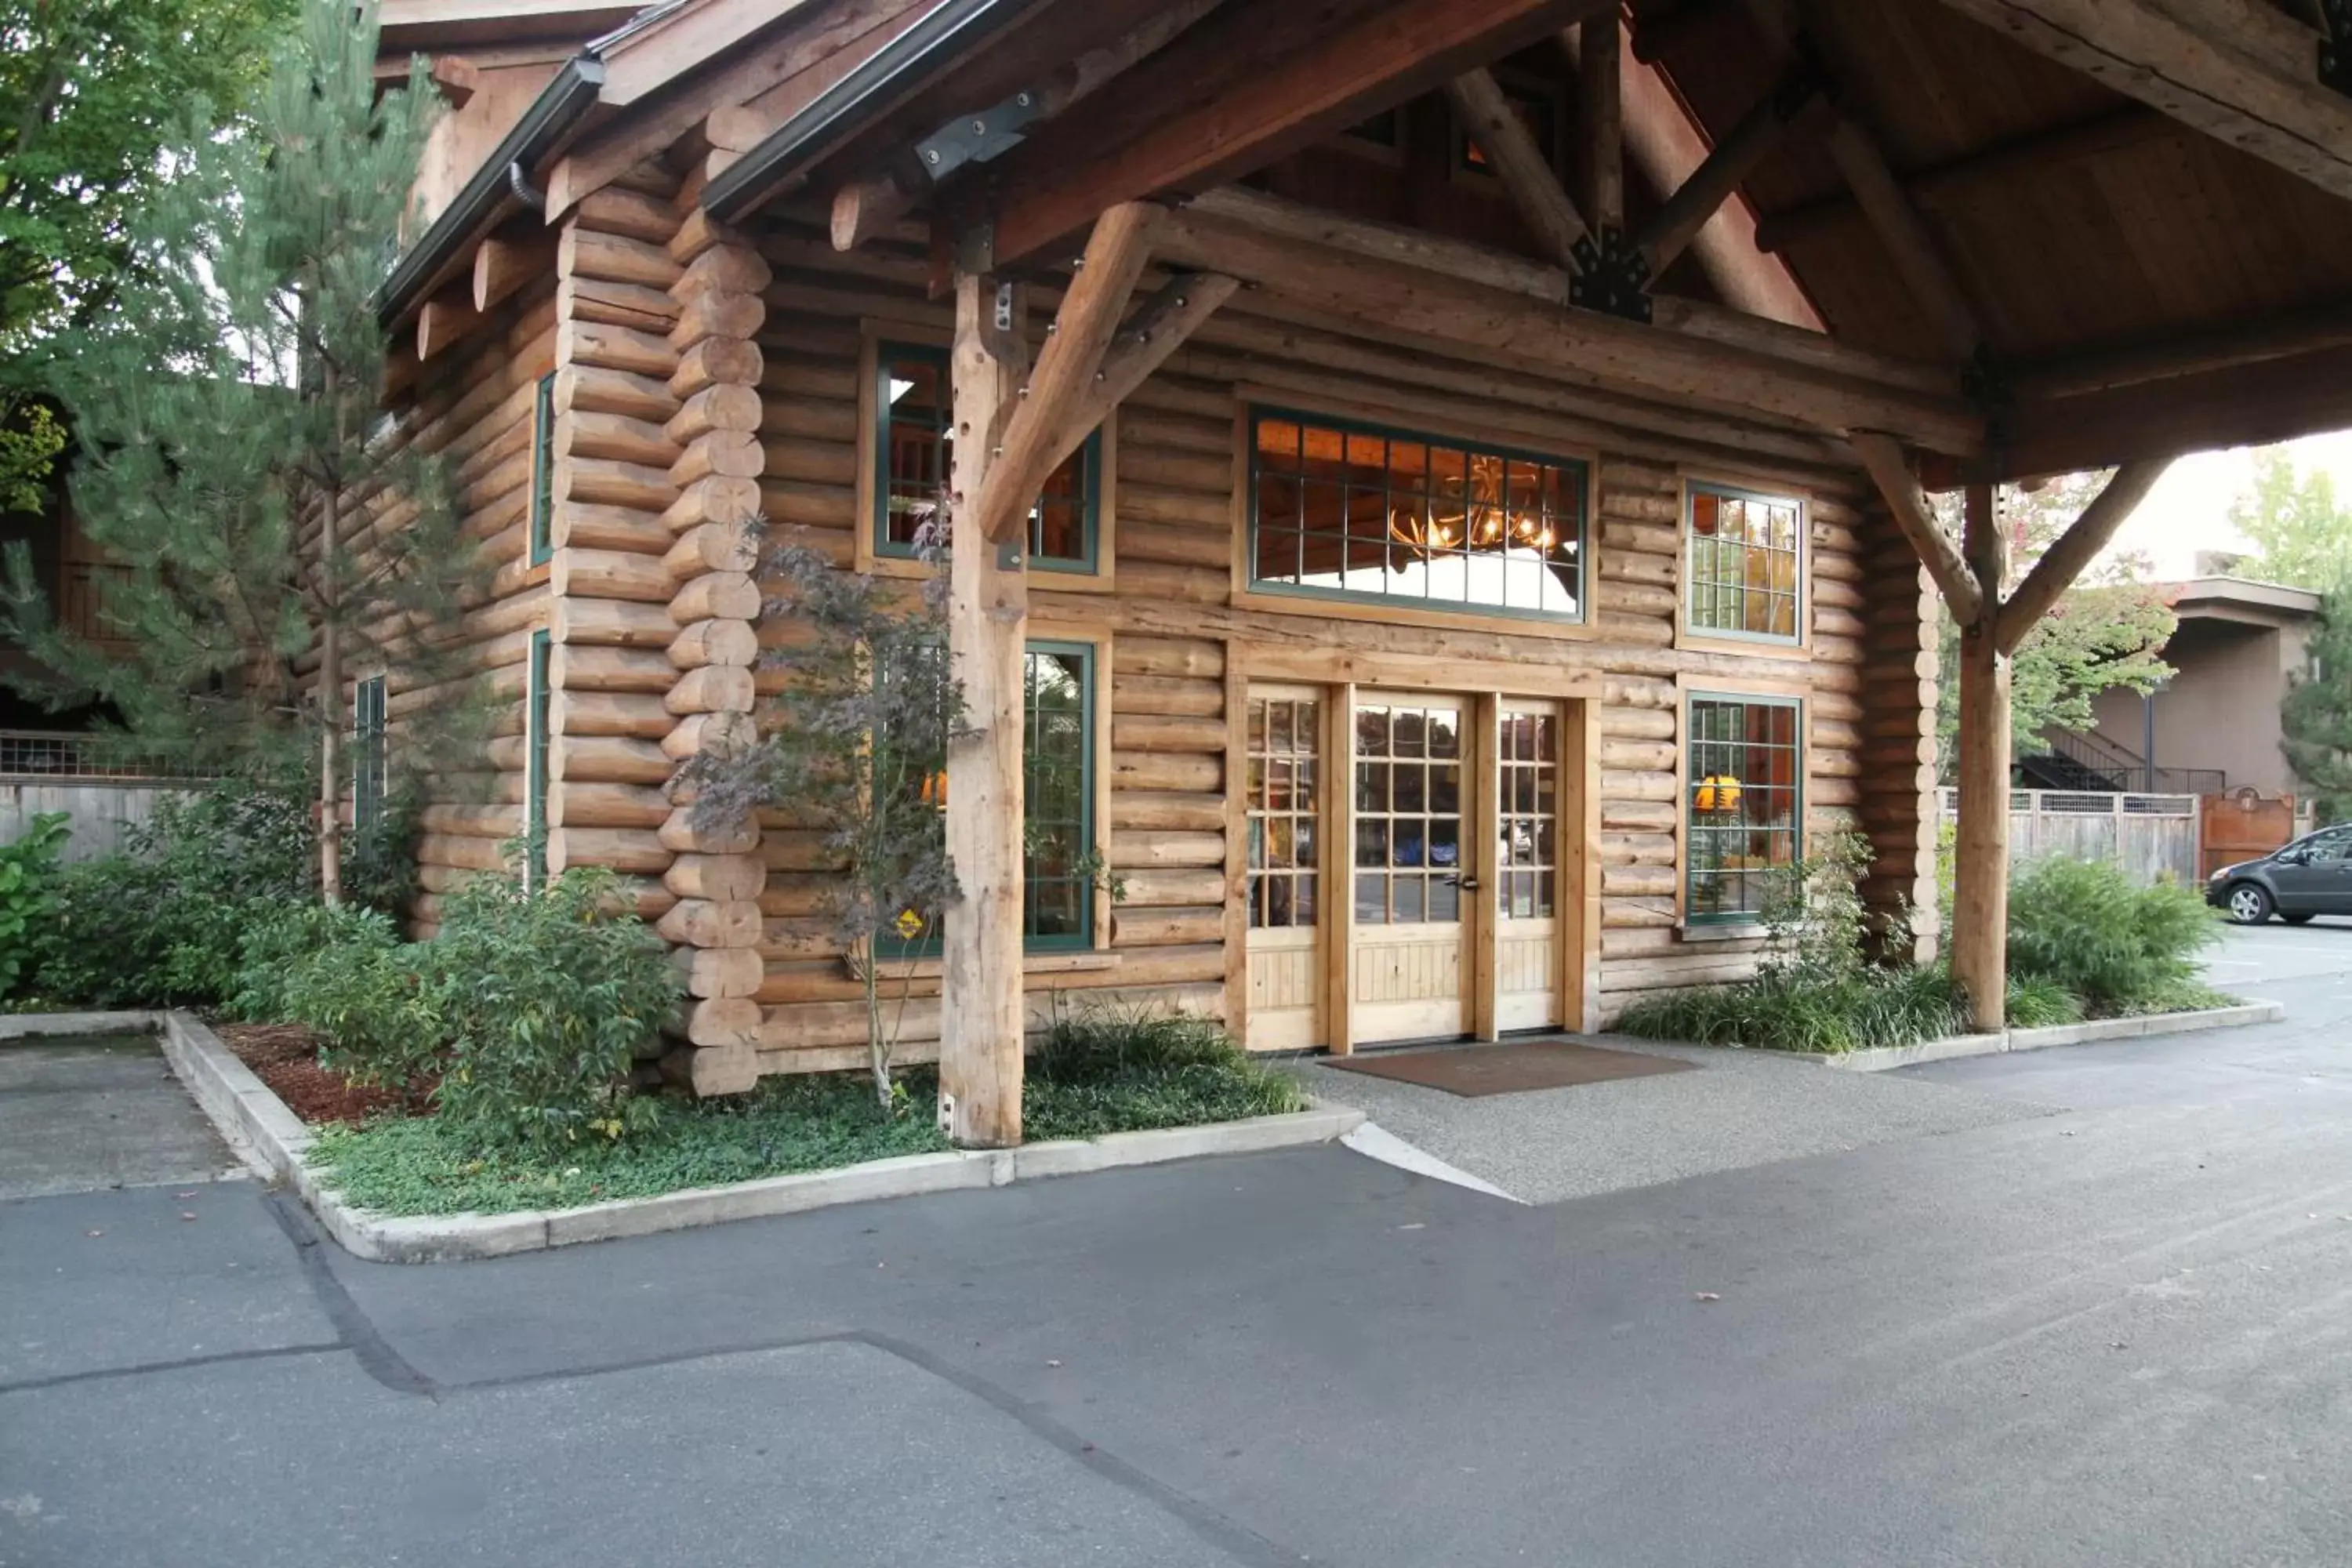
(92, 1112)
(1740, 1109)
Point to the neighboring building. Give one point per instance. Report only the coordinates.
(2216, 722)
(1426, 654)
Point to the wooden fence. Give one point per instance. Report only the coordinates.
(102, 797)
(2151, 837)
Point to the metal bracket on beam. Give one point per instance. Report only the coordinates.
(1611, 277)
(2336, 46)
(976, 250)
(977, 138)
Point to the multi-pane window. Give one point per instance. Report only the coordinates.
(1349, 511)
(914, 448)
(542, 471)
(1408, 800)
(1527, 781)
(535, 715)
(1058, 770)
(1284, 849)
(1743, 800)
(370, 753)
(1746, 556)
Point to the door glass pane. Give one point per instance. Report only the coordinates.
(1409, 814)
(1528, 815)
(1285, 738)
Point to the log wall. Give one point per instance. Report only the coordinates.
(1176, 635)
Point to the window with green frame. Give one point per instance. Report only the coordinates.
(1339, 509)
(1057, 770)
(1743, 803)
(542, 471)
(371, 754)
(913, 445)
(1747, 556)
(534, 817)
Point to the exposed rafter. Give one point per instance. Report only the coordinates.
(1524, 168)
(1677, 223)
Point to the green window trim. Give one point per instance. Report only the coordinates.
(534, 821)
(1078, 825)
(1572, 549)
(542, 471)
(1725, 879)
(1713, 596)
(1089, 457)
(370, 753)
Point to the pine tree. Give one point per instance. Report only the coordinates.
(270, 533)
(2317, 714)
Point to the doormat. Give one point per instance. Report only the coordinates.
(1472, 1071)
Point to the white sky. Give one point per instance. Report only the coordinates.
(2189, 510)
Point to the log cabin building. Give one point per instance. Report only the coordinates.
(1435, 486)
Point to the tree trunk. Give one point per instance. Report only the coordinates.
(331, 685)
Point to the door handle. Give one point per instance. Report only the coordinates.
(1469, 884)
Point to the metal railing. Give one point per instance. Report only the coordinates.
(54, 754)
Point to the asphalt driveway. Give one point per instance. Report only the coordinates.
(2111, 1329)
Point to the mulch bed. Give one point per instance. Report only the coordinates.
(286, 1057)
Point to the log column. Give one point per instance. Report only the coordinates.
(714, 600)
(982, 1023)
(606, 587)
(1981, 902)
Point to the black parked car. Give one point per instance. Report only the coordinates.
(2312, 875)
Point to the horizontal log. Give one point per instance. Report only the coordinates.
(712, 689)
(1172, 926)
(1173, 810)
(615, 348)
(607, 758)
(592, 389)
(609, 574)
(1169, 656)
(721, 878)
(716, 361)
(584, 668)
(720, 972)
(726, 642)
(1140, 848)
(715, 595)
(680, 834)
(707, 923)
(1164, 771)
(578, 804)
(612, 483)
(639, 715)
(586, 253)
(588, 525)
(1147, 888)
(613, 621)
(623, 849)
(1158, 732)
(1167, 695)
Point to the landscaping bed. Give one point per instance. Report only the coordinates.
(286, 1057)
(1090, 1076)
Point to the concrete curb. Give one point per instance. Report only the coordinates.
(41, 1026)
(274, 1143)
(1885, 1059)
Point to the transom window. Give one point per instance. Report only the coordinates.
(1743, 803)
(1408, 815)
(1284, 849)
(1352, 512)
(1746, 554)
(914, 449)
(1526, 767)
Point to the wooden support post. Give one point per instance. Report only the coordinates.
(982, 1022)
(1980, 901)
(1883, 458)
(1044, 410)
(1601, 116)
(1489, 119)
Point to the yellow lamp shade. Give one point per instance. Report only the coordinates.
(1718, 791)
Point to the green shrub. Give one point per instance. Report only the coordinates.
(1791, 1010)
(282, 937)
(2040, 1004)
(29, 874)
(372, 1008)
(545, 999)
(1105, 1069)
(2085, 926)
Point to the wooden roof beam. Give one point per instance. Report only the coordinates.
(2242, 71)
(1667, 147)
(1904, 233)
(2075, 550)
(1677, 223)
(1464, 262)
(1249, 85)
(1883, 456)
(1601, 121)
(1043, 429)
(1488, 119)
(1978, 176)
(1338, 267)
